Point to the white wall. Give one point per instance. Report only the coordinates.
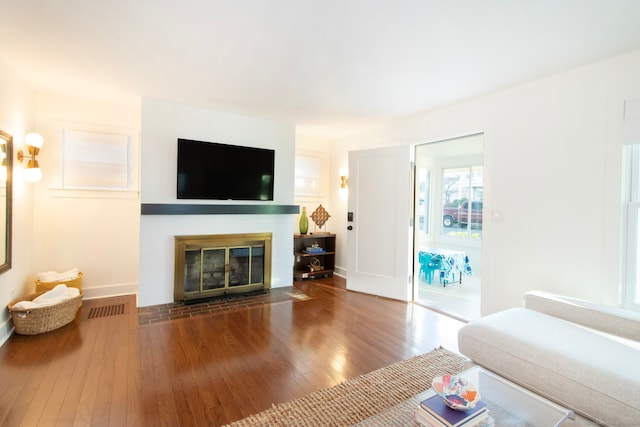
(552, 158)
(313, 146)
(17, 117)
(310, 144)
(162, 124)
(95, 231)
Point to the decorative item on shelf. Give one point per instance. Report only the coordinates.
(320, 217)
(314, 265)
(304, 221)
(314, 248)
(33, 142)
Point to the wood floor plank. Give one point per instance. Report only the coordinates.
(18, 362)
(149, 387)
(157, 377)
(135, 405)
(88, 332)
(209, 369)
(118, 398)
(87, 409)
(104, 387)
(43, 383)
(69, 360)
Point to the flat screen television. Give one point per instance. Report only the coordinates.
(214, 171)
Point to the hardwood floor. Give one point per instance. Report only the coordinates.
(210, 369)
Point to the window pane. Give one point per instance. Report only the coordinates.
(308, 172)
(462, 207)
(422, 210)
(631, 283)
(635, 287)
(95, 160)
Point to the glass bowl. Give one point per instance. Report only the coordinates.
(457, 393)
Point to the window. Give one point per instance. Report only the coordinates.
(459, 187)
(97, 161)
(631, 287)
(631, 140)
(308, 179)
(422, 200)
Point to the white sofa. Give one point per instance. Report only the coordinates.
(582, 355)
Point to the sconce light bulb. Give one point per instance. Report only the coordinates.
(33, 140)
(32, 173)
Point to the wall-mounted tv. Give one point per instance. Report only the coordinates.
(214, 171)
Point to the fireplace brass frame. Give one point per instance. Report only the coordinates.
(218, 241)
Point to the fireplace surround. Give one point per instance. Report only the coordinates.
(212, 265)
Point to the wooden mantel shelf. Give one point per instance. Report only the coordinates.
(190, 209)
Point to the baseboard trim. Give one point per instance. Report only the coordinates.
(7, 330)
(110, 291)
(340, 271)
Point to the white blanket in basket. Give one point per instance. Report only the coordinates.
(57, 295)
(54, 276)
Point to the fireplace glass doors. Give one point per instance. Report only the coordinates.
(208, 266)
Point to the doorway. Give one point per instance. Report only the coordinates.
(448, 212)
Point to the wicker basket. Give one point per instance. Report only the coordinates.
(71, 283)
(37, 320)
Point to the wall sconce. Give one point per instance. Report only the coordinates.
(343, 178)
(34, 143)
(3, 165)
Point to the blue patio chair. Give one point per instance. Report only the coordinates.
(428, 265)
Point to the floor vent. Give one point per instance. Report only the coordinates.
(105, 311)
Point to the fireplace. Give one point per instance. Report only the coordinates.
(212, 265)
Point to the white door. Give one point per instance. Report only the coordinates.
(379, 243)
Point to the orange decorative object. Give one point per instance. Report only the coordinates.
(469, 395)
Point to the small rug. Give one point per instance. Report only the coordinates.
(358, 398)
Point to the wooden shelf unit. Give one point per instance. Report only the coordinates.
(302, 259)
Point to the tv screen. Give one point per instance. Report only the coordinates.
(213, 171)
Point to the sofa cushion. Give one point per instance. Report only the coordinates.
(610, 319)
(592, 373)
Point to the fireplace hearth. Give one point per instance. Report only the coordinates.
(208, 266)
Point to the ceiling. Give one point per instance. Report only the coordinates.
(329, 66)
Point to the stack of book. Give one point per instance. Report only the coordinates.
(434, 412)
(313, 249)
